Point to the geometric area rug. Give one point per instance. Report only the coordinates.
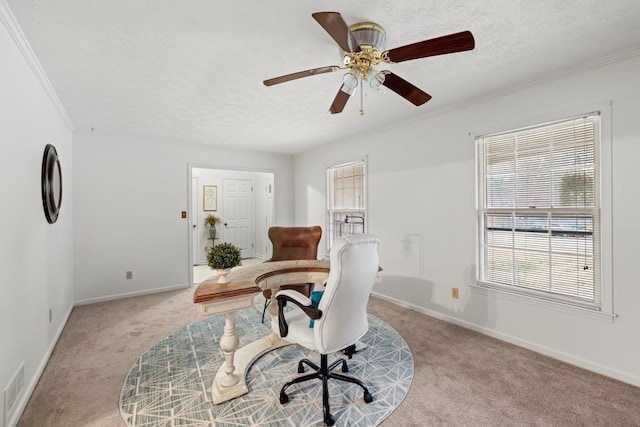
(170, 384)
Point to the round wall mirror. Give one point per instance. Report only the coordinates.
(51, 183)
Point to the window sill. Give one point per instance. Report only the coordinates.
(532, 300)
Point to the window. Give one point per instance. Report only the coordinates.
(539, 211)
(346, 205)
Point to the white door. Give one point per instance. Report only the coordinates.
(238, 214)
(195, 235)
(269, 215)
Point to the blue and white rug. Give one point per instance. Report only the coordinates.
(170, 384)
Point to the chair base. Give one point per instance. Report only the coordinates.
(323, 373)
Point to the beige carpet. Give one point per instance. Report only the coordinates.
(461, 378)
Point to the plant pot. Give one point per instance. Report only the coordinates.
(212, 233)
(222, 275)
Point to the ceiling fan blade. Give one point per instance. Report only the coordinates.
(333, 24)
(405, 89)
(300, 74)
(457, 42)
(339, 101)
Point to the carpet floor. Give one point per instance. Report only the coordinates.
(461, 377)
(170, 384)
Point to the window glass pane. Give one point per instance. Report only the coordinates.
(499, 265)
(573, 188)
(573, 276)
(532, 270)
(346, 204)
(500, 164)
(499, 238)
(533, 189)
(500, 190)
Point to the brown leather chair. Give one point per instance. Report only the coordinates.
(293, 243)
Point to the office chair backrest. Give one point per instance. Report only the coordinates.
(292, 243)
(354, 266)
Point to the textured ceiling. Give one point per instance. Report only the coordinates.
(193, 70)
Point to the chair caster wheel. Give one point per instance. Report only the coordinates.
(345, 368)
(301, 369)
(367, 397)
(284, 398)
(329, 421)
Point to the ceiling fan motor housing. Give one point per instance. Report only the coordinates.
(372, 40)
(370, 34)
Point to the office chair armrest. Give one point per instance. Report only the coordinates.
(298, 299)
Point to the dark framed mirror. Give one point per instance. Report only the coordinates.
(51, 183)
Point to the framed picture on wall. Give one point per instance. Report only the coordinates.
(210, 197)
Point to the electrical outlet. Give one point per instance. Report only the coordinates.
(129, 275)
(455, 293)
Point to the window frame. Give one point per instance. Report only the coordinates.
(603, 310)
(330, 210)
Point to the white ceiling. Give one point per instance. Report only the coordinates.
(193, 70)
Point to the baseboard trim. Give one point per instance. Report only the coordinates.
(130, 294)
(547, 351)
(26, 395)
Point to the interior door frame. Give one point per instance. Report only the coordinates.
(195, 243)
(190, 213)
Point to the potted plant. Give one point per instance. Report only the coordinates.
(211, 222)
(222, 258)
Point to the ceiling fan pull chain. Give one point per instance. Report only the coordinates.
(361, 99)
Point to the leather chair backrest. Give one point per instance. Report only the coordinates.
(354, 267)
(292, 243)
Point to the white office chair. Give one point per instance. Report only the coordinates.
(340, 319)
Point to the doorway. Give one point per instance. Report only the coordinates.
(244, 205)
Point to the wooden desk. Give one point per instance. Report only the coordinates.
(245, 283)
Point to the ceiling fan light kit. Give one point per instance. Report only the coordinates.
(363, 46)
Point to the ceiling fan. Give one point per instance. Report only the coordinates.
(363, 47)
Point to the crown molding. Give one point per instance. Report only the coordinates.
(9, 21)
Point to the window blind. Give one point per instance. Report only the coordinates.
(346, 211)
(539, 210)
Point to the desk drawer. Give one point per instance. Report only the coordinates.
(306, 277)
(225, 305)
(292, 278)
(272, 282)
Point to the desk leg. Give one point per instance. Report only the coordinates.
(228, 344)
(227, 384)
(230, 381)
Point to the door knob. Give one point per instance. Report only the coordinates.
(225, 224)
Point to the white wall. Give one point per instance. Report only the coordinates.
(36, 258)
(422, 188)
(130, 191)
